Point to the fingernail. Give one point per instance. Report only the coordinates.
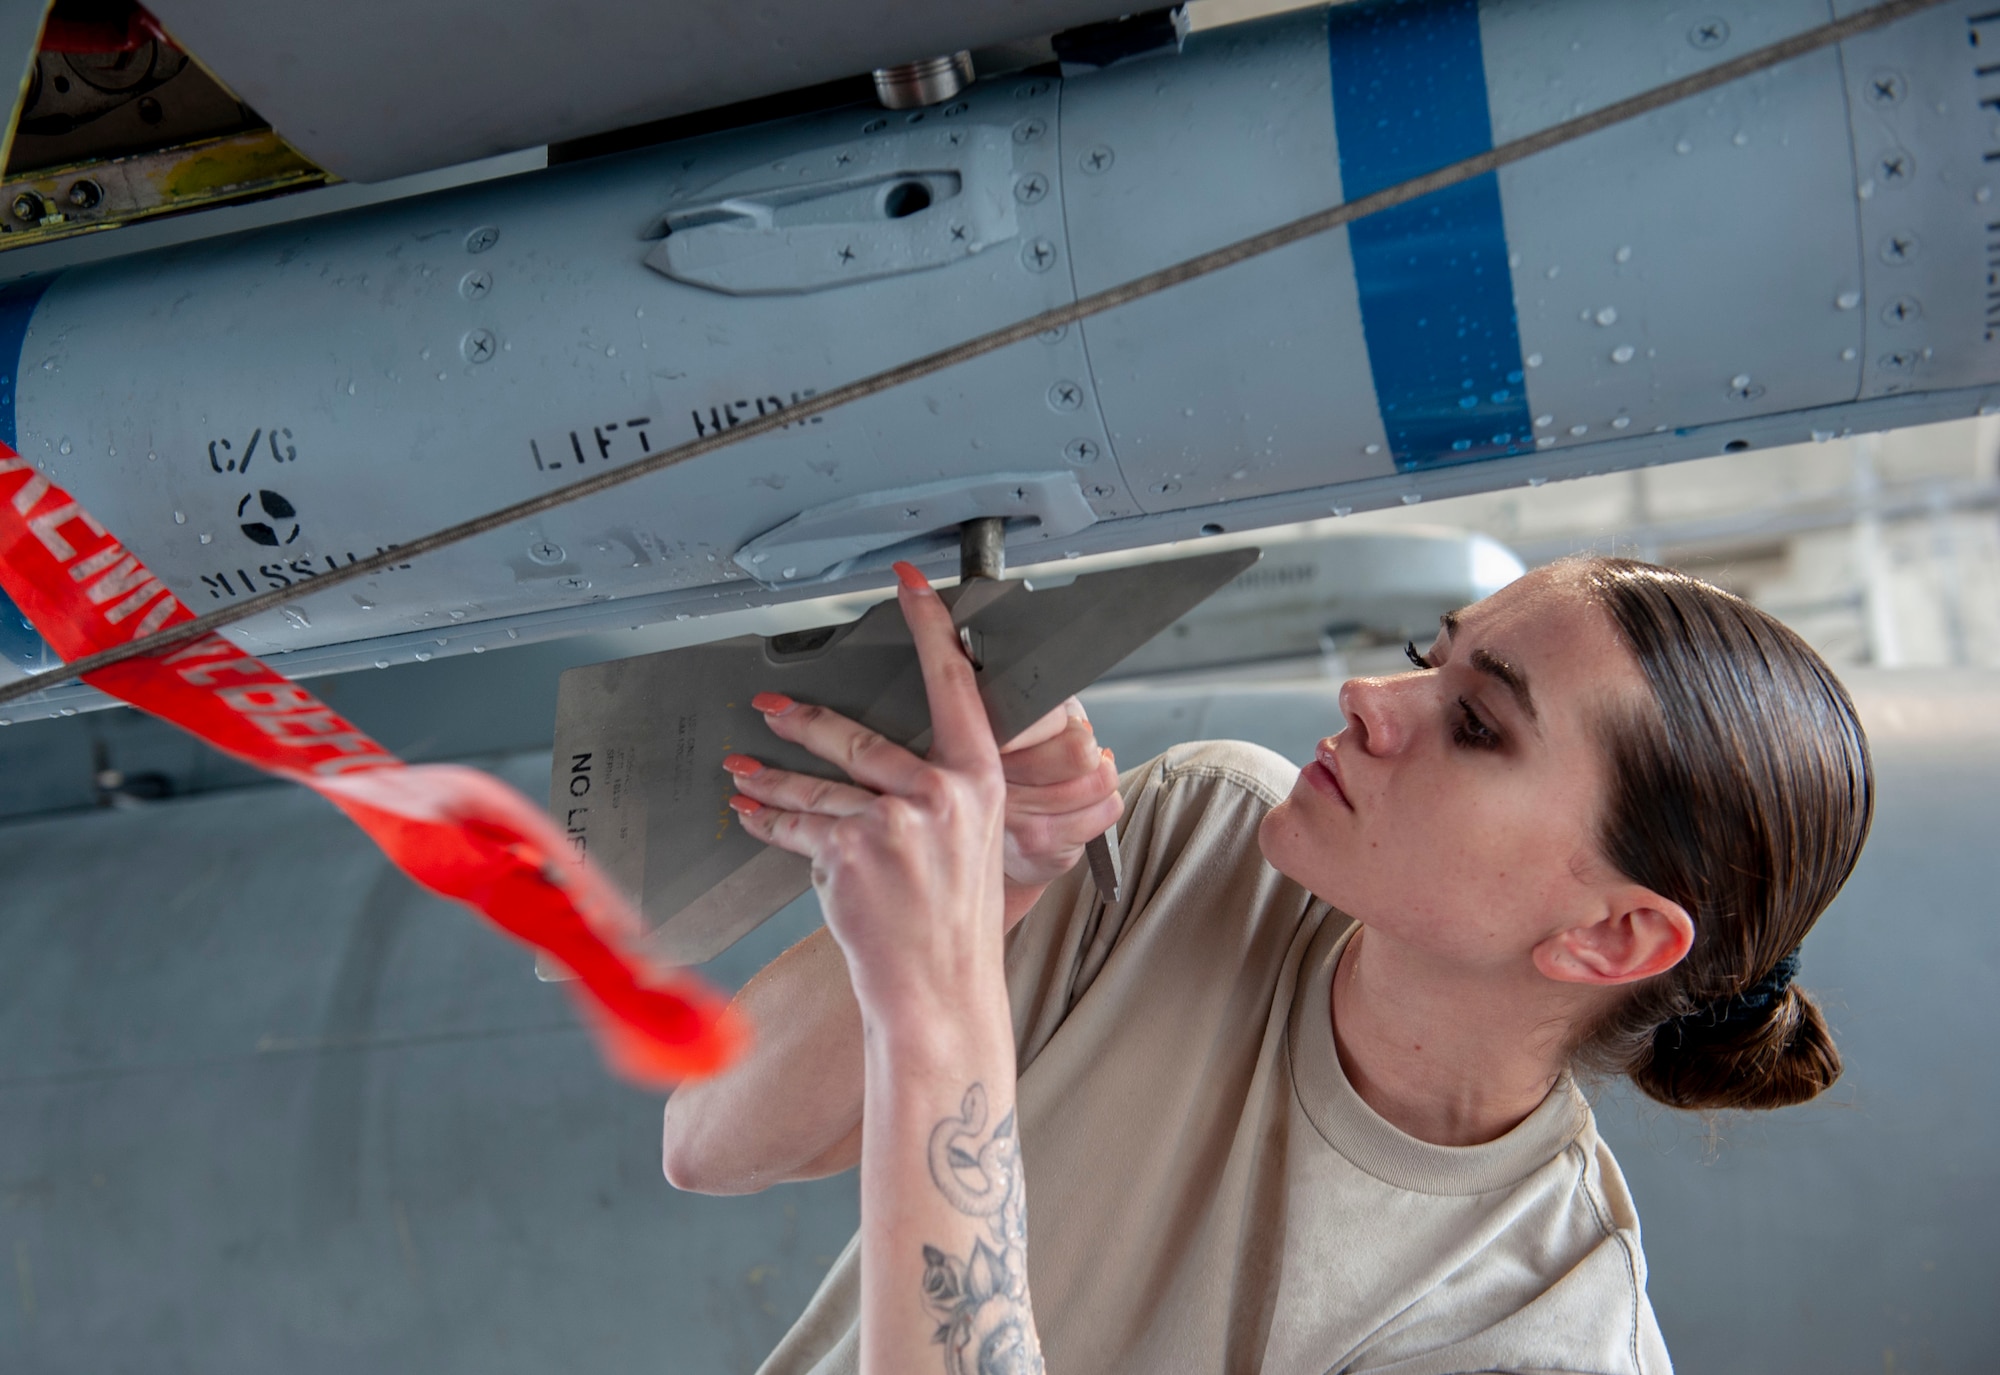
(772, 703)
(745, 805)
(1109, 757)
(907, 574)
(741, 764)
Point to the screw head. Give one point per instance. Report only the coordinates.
(1896, 167)
(1164, 489)
(874, 126)
(1081, 452)
(1885, 88)
(574, 583)
(1102, 492)
(1097, 160)
(1066, 396)
(1030, 130)
(479, 345)
(1709, 34)
(1053, 336)
(546, 552)
(1901, 311)
(1900, 247)
(1898, 361)
(1031, 188)
(481, 239)
(475, 284)
(1028, 90)
(1038, 255)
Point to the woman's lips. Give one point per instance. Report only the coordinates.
(1321, 775)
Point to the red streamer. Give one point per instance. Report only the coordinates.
(461, 833)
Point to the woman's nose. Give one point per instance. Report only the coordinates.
(1375, 715)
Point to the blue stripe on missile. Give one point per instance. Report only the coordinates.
(17, 306)
(1437, 301)
(19, 644)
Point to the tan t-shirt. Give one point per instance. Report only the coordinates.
(1207, 1193)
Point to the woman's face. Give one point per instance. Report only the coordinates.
(1458, 809)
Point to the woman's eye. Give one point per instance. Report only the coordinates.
(1410, 649)
(1473, 732)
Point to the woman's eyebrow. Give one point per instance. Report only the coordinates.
(1494, 666)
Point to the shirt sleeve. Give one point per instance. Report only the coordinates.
(1188, 847)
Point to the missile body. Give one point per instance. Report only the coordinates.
(1804, 252)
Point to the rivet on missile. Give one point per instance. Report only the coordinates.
(1098, 159)
(481, 239)
(479, 345)
(545, 552)
(1065, 396)
(1038, 256)
(1031, 188)
(1030, 130)
(1709, 34)
(1081, 452)
(475, 284)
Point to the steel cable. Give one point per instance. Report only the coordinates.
(1567, 131)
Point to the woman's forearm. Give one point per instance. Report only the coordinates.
(944, 1232)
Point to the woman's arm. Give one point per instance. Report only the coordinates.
(908, 867)
(792, 1108)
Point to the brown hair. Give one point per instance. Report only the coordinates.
(1744, 795)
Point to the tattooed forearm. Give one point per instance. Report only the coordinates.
(981, 1302)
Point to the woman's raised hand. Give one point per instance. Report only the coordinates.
(1062, 793)
(907, 858)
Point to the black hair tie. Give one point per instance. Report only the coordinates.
(1749, 1005)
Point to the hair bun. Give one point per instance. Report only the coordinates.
(1755, 1052)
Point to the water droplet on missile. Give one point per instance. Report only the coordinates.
(1545, 441)
(66, 711)
(479, 649)
(443, 642)
(208, 539)
(1608, 316)
(295, 616)
(458, 615)
(1741, 379)
(180, 518)
(640, 312)
(1742, 140)
(350, 389)
(791, 572)
(1683, 147)
(63, 447)
(1187, 411)
(1554, 272)
(152, 456)
(381, 663)
(1579, 430)
(1534, 360)
(1513, 260)
(1371, 449)
(1536, 481)
(1622, 354)
(1623, 422)
(6, 721)
(1847, 300)
(1412, 498)
(513, 634)
(48, 365)
(1343, 510)
(423, 656)
(680, 615)
(1821, 436)
(1866, 190)
(1848, 355)
(440, 377)
(424, 354)
(1623, 255)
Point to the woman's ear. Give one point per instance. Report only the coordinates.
(1640, 934)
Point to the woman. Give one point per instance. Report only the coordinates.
(1303, 1099)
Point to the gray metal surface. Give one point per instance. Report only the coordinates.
(637, 781)
(381, 88)
(264, 1106)
(429, 360)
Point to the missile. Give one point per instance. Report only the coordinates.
(1799, 254)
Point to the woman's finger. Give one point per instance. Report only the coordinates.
(868, 757)
(800, 832)
(795, 792)
(1072, 754)
(1048, 728)
(1071, 794)
(960, 733)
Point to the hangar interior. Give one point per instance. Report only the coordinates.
(263, 1103)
